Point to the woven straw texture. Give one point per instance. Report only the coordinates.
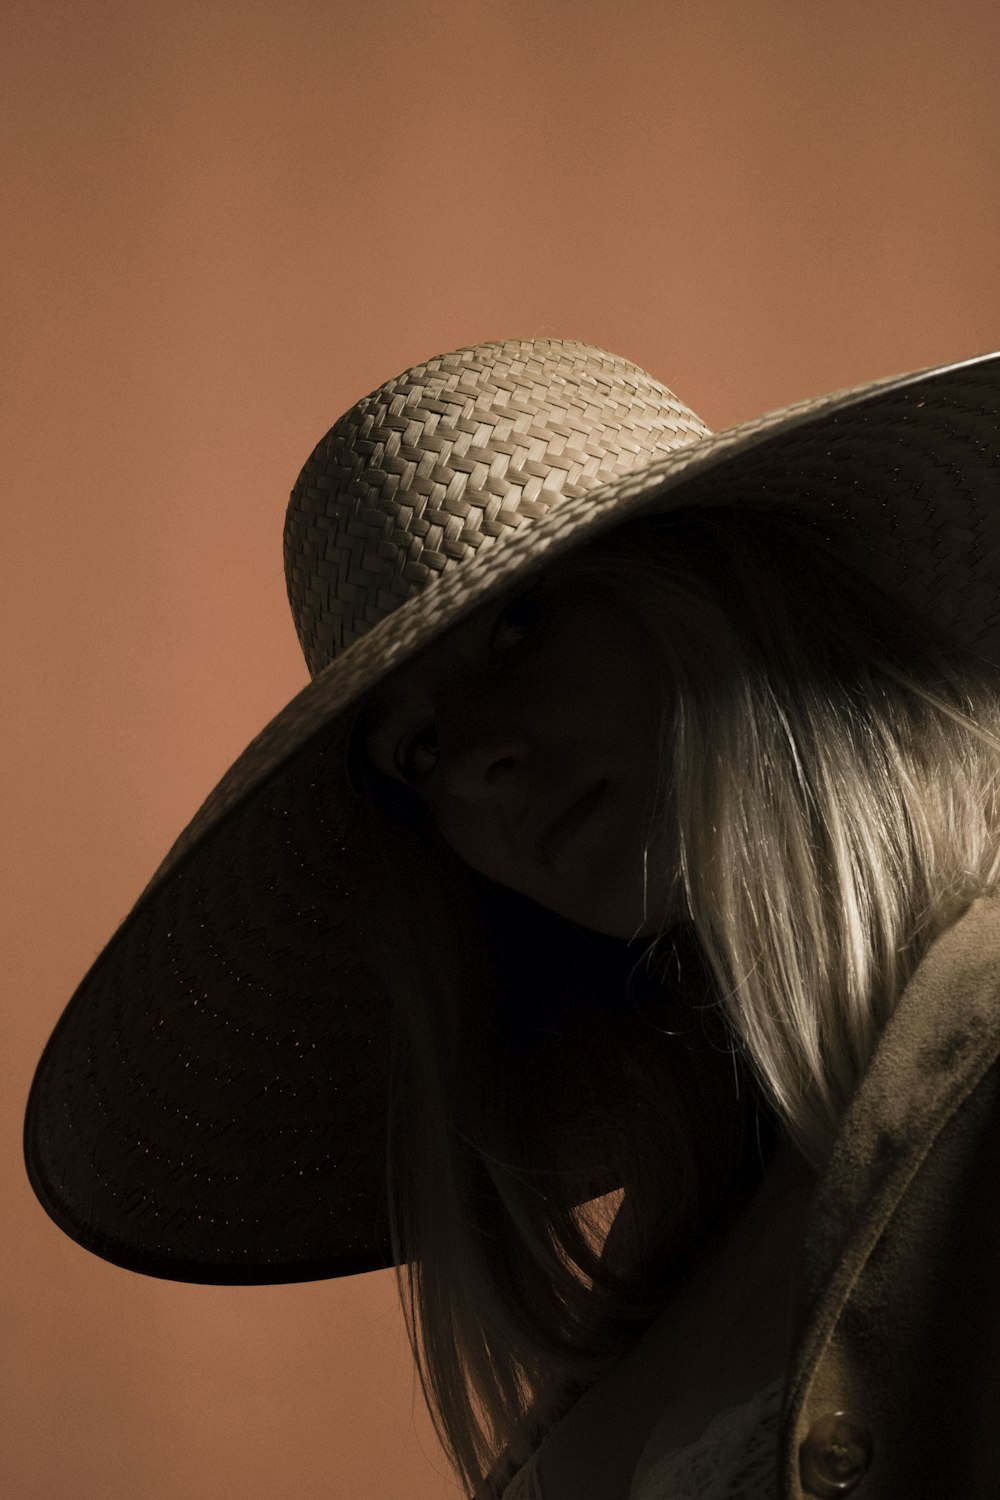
(451, 457)
(211, 1105)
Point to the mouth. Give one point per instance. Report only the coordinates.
(569, 823)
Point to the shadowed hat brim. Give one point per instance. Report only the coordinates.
(211, 1105)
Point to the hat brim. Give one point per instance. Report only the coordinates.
(210, 1106)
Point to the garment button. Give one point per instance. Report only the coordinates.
(835, 1455)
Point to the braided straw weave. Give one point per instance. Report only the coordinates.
(211, 1105)
(449, 458)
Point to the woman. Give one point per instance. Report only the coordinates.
(631, 853)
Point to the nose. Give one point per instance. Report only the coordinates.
(481, 761)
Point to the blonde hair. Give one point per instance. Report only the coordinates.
(832, 764)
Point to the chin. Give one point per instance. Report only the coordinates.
(617, 924)
(624, 918)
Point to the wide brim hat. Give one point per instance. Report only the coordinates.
(211, 1106)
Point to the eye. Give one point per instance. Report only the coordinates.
(520, 616)
(515, 621)
(405, 761)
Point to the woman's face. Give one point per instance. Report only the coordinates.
(530, 733)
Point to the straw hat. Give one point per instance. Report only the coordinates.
(211, 1104)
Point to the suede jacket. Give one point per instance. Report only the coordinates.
(892, 1389)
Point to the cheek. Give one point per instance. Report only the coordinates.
(612, 675)
(472, 833)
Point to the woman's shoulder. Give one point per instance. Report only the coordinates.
(524, 1485)
(717, 1343)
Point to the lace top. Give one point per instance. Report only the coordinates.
(734, 1459)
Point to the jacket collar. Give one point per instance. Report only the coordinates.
(942, 1037)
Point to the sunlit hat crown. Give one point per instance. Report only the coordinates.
(452, 457)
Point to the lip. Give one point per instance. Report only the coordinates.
(568, 822)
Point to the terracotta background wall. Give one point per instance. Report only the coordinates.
(224, 223)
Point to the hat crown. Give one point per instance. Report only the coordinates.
(452, 456)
